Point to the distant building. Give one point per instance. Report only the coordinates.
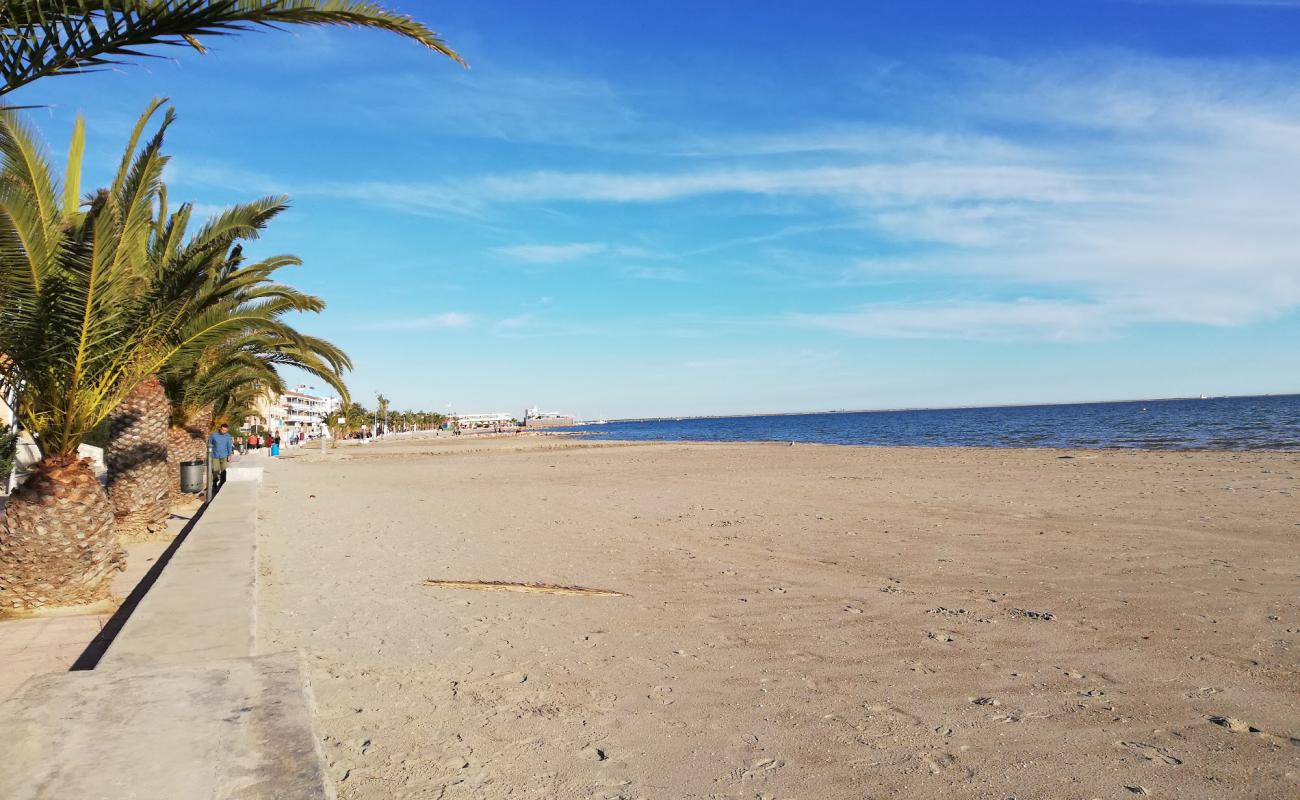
(472, 421)
(535, 418)
(294, 411)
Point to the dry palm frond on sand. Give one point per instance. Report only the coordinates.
(534, 588)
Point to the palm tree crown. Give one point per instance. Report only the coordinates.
(95, 298)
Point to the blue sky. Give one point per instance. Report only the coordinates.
(669, 209)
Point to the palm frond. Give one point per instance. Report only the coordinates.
(49, 37)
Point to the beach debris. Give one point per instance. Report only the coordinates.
(594, 753)
(939, 636)
(960, 613)
(986, 701)
(1233, 724)
(1137, 790)
(947, 612)
(530, 588)
(1027, 614)
(1152, 753)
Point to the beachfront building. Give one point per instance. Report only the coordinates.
(493, 421)
(292, 412)
(536, 418)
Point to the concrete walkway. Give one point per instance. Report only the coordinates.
(238, 729)
(177, 707)
(201, 607)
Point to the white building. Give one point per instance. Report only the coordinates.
(467, 421)
(295, 411)
(536, 418)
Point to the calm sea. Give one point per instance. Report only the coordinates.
(1227, 423)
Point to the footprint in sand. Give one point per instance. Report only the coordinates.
(853, 609)
(939, 636)
(777, 590)
(1152, 753)
(944, 762)
(761, 769)
(661, 693)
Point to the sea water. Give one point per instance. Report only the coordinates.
(1228, 423)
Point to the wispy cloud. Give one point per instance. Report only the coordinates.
(675, 274)
(718, 363)
(1139, 189)
(495, 101)
(551, 253)
(1023, 318)
(445, 320)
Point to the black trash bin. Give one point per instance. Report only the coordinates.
(193, 475)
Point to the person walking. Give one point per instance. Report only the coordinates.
(275, 445)
(221, 446)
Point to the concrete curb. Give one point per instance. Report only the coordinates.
(238, 729)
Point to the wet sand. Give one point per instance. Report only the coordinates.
(800, 622)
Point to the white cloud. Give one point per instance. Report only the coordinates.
(1138, 189)
(551, 253)
(718, 363)
(516, 323)
(676, 274)
(493, 101)
(446, 320)
(1024, 318)
(872, 183)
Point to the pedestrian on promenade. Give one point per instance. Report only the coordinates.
(275, 445)
(221, 446)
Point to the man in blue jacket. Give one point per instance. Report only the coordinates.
(221, 446)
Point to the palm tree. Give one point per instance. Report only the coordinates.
(356, 416)
(58, 37)
(196, 383)
(202, 283)
(229, 377)
(83, 323)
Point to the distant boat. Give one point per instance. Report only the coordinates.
(1203, 397)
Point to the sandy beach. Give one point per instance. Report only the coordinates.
(799, 621)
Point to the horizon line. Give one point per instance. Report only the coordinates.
(680, 417)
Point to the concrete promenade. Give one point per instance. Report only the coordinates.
(179, 706)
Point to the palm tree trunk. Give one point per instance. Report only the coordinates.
(58, 545)
(136, 457)
(199, 428)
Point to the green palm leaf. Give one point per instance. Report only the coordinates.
(51, 37)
